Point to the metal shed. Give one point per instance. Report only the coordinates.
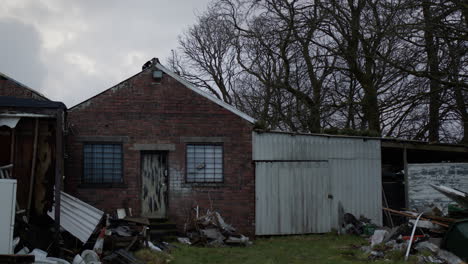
(303, 181)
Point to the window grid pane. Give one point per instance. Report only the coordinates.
(102, 163)
(204, 163)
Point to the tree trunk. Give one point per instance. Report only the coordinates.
(463, 111)
(433, 66)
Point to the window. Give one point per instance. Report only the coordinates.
(102, 163)
(204, 163)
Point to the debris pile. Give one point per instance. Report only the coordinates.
(105, 239)
(429, 235)
(117, 238)
(211, 230)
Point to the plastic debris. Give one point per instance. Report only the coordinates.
(378, 237)
(426, 245)
(184, 240)
(153, 247)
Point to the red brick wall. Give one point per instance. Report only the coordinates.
(165, 113)
(14, 89)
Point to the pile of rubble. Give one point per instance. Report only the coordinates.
(113, 239)
(387, 241)
(429, 235)
(211, 230)
(90, 239)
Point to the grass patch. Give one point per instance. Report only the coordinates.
(326, 249)
(151, 257)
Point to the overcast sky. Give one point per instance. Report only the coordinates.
(70, 50)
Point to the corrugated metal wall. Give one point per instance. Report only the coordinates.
(292, 204)
(301, 181)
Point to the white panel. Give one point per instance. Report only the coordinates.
(420, 176)
(77, 217)
(292, 198)
(7, 217)
(10, 122)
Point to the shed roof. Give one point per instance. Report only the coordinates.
(8, 101)
(390, 142)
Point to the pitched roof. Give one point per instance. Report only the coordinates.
(189, 86)
(24, 86)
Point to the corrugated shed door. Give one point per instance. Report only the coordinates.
(292, 197)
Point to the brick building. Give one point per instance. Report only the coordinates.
(158, 145)
(13, 88)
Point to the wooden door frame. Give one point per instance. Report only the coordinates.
(166, 153)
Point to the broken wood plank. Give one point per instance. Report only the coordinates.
(414, 217)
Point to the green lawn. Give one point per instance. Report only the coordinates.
(328, 248)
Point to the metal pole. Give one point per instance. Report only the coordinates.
(405, 167)
(412, 236)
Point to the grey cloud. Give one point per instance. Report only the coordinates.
(20, 53)
(100, 36)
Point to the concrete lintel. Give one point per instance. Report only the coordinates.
(153, 147)
(103, 138)
(203, 139)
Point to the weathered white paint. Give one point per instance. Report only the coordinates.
(154, 188)
(354, 169)
(420, 176)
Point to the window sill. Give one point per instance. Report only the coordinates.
(102, 185)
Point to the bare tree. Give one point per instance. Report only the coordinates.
(394, 67)
(208, 58)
